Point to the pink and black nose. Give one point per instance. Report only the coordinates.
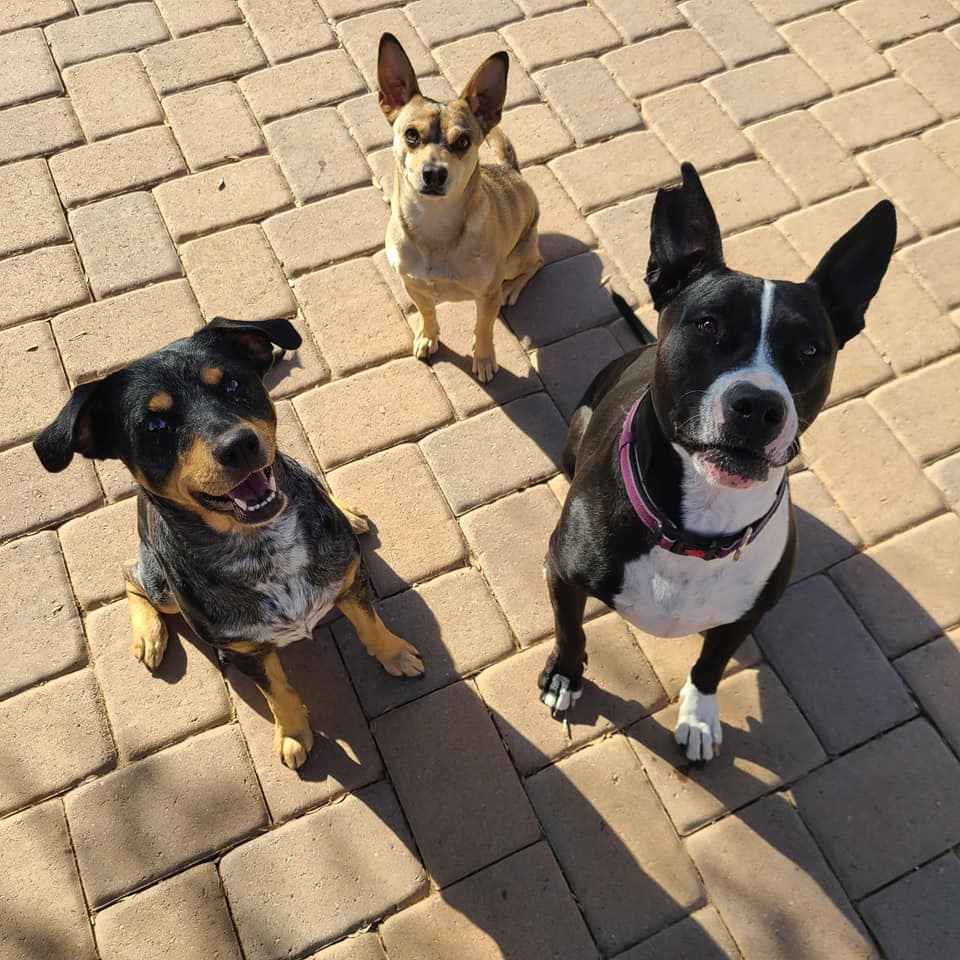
(434, 176)
(239, 448)
(752, 413)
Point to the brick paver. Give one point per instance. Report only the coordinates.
(173, 160)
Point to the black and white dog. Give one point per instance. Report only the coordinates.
(679, 514)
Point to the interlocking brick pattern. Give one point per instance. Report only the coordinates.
(165, 161)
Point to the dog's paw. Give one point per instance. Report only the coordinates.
(698, 724)
(403, 660)
(559, 691)
(484, 368)
(293, 747)
(358, 520)
(150, 642)
(424, 347)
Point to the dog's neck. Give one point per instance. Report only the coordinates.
(433, 223)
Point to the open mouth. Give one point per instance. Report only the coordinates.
(255, 500)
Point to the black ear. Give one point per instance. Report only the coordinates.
(395, 77)
(82, 426)
(487, 89)
(684, 238)
(253, 338)
(849, 275)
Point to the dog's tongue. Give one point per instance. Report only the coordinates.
(253, 489)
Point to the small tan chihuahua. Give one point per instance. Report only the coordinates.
(459, 229)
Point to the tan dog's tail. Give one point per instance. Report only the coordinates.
(502, 148)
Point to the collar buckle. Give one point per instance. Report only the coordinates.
(744, 540)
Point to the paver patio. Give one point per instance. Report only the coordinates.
(162, 162)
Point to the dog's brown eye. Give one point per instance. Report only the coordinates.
(809, 350)
(412, 136)
(708, 327)
(463, 142)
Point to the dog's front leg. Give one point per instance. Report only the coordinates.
(484, 355)
(427, 341)
(144, 586)
(292, 736)
(562, 677)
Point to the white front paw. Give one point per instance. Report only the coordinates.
(698, 723)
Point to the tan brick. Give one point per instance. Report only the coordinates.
(535, 133)
(38, 870)
(609, 833)
(449, 768)
(222, 197)
(713, 141)
(202, 58)
(317, 154)
(874, 114)
(32, 213)
(339, 9)
(901, 596)
(931, 64)
(26, 70)
(662, 62)
(509, 539)
(30, 13)
(764, 252)
(569, 366)
(40, 283)
(150, 709)
(566, 35)
(112, 96)
(886, 21)
(291, 439)
(500, 910)
(780, 10)
(804, 911)
(825, 536)
(459, 59)
(235, 274)
(371, 410)
(587, 100)
(454, 622)
(213, 124)
(946, 475)
(308, 82)
(392, 557)
(188, 16)
(933, 675)
(344, 756)
(439, 21)
(639, 18)
(361, 36)
(41, 626)
(765, 737)
(298, 371)
(747, 194)
(38, 128)
(127, 162)
(563, 232)
(620, 687)
(63, 750)
(859, 369)
(356, 854)
(734, 29)
(836, 51)
(183, 915)
(627, 165)
(624, 232)
(701, 935)
(53, 496)
(364, 946)
(338, 228)
(288, 29)
(130, 27)
(934, 263)
(878, 501)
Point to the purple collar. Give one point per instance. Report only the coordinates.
(669, 536)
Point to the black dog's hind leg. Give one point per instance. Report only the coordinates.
(562, 677)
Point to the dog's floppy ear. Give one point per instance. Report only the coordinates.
(395, 77)
(252, 338)
(849, 275)
(82, 426)
(487, 90)
(684, 237)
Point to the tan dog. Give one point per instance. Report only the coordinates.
(460, 230)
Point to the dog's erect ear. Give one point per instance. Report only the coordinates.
(253, 338)
(849, 275)
(684, 237)
(395, 77)
(81, 427)
(487, 90)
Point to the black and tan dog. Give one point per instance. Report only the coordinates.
(241, 539)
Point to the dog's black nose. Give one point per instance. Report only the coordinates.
(434, 175)
(238, 448)
(753, 411)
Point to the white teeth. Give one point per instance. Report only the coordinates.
(253, 507)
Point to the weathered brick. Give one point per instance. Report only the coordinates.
(213, 124)
(393, 558)
(129, 27)
(536, 133)
(188, 16)
(734, 29)
(298, 371)
(933, 674)
(317, 154)
(459, 59)
(26, 70)
(39, 284)
(289, 28)
(931, 64)
(933, 262)
(624, 232)
(38, 128)
(639, 18)
(291, 439)
(946, 475)
(308, 82)
(765, 252)
(563, 232)
(222, 197)
(32, 213)
(701, 935)
(334, 229)
(127, 162)
(30, 13)
(371, 410)
(439, 21)
(825, 536)
(780, 10)
(566, 35)
(104, 336)
(361, 36)
(42, 912)
(112, 96)
(41, 626)
(747, 194)
(886, 21)
(859, 369)
(902, 598)
(202, 58)
(235, 274)
(363, 946)
(356, 854)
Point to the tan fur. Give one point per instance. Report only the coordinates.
(477, 242)
(211, 376)
(149, 632)
(355, 516)
(160, 402)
